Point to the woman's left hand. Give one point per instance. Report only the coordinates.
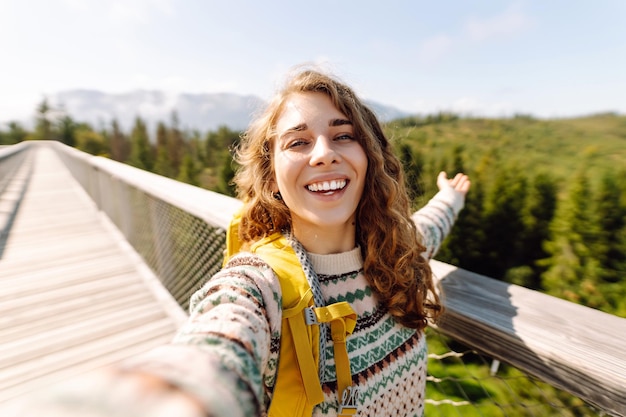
(460, 183)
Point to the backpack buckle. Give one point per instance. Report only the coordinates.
(309, 316)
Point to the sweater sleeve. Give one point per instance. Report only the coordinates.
(220, 355)
(435, 220)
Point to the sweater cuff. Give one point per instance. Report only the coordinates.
(200, 374)
(451, 198)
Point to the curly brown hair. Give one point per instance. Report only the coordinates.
(402, 279)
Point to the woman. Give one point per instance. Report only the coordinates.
(317, 167)
(317, 171)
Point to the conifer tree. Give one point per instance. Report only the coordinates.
(464, 247)
(163, 165)
(15, 134)
(610, 249)
(572, 270)
(413, 165)
(140, 150)
(539, 213)
(175, 145)
(67, 131)
(612, 220)
(118, 143)
(503, 222)
(226, 185)
(458, 160)
(189, 171)
(212, 148)
(43, 125)
(87, 140)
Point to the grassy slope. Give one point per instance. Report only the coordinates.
(559, 147)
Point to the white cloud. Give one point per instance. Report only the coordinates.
(511, 21)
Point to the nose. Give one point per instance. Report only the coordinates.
(323, 152)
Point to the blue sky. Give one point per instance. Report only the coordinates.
(551, 58)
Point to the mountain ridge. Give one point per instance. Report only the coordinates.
(195, 111)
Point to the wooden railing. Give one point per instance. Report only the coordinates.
(569, 346)
(572, 347)
(13, 177)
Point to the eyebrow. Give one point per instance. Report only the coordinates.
(303, 126)
(298, 128)
(339, 122)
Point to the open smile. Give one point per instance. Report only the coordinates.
(327, 186)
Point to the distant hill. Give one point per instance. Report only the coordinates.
(195, 111)
(561, 147)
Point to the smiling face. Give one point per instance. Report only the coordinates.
(320, 170)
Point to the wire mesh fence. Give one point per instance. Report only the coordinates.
(464, 382)
(184, 250)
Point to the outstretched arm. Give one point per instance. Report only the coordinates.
(214, 366)
(435, 220)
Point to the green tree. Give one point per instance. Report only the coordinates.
(226, 185)
(15, 134)
(465, 245)
(611, 215)
(413, 164)
(163, 165)
(118, 143)
(175, 145)
(503, 222)
(539, 213)
(189, 170)
(610, 248)
(572, 270)
(43, 125)
(458, 160)
(87, 140)
(218, 159)
(141, 153)
(213, 152)
(161, 135)
(67, 131)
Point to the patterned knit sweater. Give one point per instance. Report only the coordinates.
(226, 355)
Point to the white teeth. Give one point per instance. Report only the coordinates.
(327, 185)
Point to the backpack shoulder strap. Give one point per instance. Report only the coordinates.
(298, 387)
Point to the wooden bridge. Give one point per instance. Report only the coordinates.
(98, 259)
(74, 295)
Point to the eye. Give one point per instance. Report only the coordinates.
(295, 143)
(345, 137)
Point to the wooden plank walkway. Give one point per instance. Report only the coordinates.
(73, 295)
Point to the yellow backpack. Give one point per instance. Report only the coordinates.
(298, 389)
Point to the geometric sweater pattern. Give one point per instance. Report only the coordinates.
(226, 354)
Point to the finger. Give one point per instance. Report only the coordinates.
(464, 185)
(457, 178)
(442, 180)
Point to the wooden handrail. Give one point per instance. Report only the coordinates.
(569, 346)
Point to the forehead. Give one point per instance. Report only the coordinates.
(309, 108)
